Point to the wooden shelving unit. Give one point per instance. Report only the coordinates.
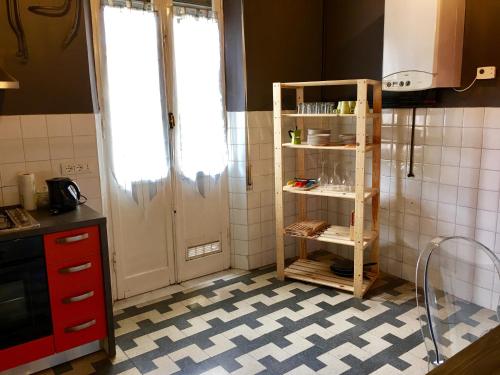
(314, 271)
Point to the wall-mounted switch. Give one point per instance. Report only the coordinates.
(486, 72)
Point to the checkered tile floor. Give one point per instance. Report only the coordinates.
(254, 324)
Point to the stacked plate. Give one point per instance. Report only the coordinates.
(318, 137)
(345, 267)
(350, 139)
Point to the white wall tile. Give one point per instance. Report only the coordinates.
(11, 150)
(486, 220)
(466, 216)
(472, 137)
(448, 194)
(492, 118)
(84, 145)
(9, 172)
(491, 138)
(36, 149)
(453, 117)
(432, 154)
(467, 197)
(431, 172)
(489, 180)
(473, 117)
(90, 187)
(435, 117)
(468, 177)
(42, 171)
(83, 124)
(10, 127)
(449, 175)
(58, 125)
(490, 160)
(450, 156)
(470, 157)
(487, 200)
(34, 126)
(447, 212)
(433, 136)
(61, 147)
(420, 116)
(452, 136)
(10, 195)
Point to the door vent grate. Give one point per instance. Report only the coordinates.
(199, 251)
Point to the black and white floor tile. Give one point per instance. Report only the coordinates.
(254, 324)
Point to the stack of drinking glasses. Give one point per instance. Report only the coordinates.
(317, 108)
(335, 177)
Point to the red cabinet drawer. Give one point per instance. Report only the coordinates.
(27, 352)
(71, 244)
(77, 301)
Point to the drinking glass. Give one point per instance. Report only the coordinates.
(323, 177)
(300, 108)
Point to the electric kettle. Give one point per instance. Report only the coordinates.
(64, 195)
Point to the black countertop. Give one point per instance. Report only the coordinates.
(81, 217)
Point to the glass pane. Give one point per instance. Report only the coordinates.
(134, 96)
(13, 308)
(200, 110)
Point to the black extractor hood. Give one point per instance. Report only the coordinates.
(7, 81)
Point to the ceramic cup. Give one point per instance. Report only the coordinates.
(343, 108)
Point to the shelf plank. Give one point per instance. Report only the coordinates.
(342, 82)
(319, 191)
(319, 273)
(369, 147)
(321, 115)
(339, 235)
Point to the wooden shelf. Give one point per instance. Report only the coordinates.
(319, 273)
(340, 235)
(320, 115)
(319, 191)
(369, 147)
(308, 270)
(342, 82)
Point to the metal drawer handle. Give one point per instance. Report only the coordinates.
(81, 297)
(66, 240)
(80, 327)
(74, 269)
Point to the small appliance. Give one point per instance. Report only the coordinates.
(64, 195)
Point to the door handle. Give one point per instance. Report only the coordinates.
(77, 238)
(80, 327)
(81, 297)
(74, 269)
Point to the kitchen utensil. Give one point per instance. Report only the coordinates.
(295, 136)
(64, 195)
(343, 108)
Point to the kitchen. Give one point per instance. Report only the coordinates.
(160, 245)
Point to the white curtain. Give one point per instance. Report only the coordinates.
(138, 140)
(199, 100)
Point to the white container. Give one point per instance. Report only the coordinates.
(27, 190)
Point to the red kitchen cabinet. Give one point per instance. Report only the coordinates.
(76, 288)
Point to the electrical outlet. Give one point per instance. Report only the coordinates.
(82, 168)
(486, 72)
(67, 169)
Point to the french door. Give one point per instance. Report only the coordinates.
(167, 174)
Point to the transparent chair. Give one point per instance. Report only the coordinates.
(460, 280)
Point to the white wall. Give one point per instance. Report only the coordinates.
(39, 144)
(455, 190)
